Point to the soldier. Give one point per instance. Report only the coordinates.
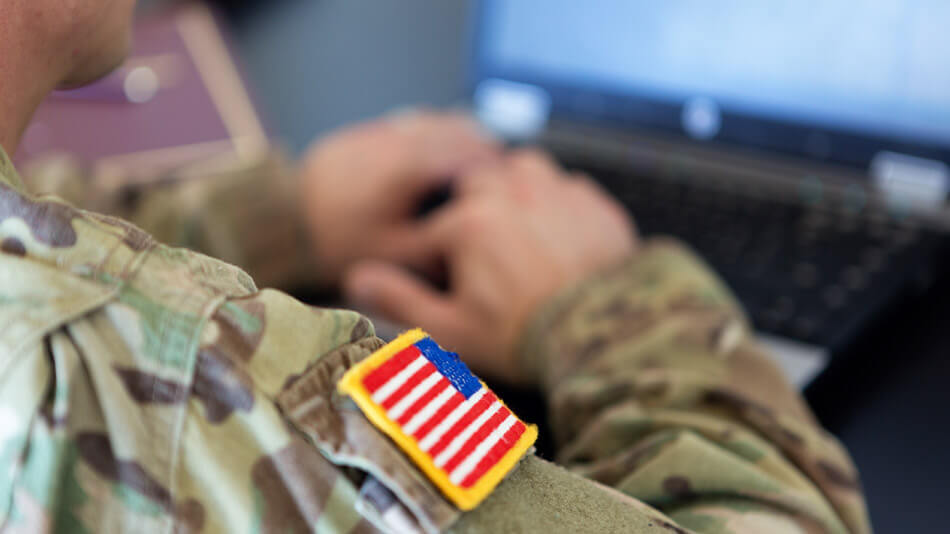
(147, 388)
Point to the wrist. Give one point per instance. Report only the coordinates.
(550, 314)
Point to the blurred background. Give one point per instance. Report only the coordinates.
(800, 147)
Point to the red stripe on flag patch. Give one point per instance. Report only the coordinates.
(483, 404)
(469, 446)
(439, 416)
(423, 401)
(495, 454)
(404, 389)
(384, 372)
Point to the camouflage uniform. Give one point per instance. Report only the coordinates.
(146, 388)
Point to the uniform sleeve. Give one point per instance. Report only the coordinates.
(244, 213)
(657, 388)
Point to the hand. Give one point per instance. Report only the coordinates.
(361, 186)
(517, 233)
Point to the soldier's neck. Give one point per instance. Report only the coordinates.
(26, 78)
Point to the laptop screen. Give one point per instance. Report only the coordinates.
(835, 79)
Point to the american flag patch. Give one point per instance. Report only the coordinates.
(450, 424)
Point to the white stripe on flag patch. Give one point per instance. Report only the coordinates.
(471, 461)
(436, 433)
(421, 388)
(426, 413)
(460, 440)
(397, 381)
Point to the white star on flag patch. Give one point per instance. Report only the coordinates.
(450, 424)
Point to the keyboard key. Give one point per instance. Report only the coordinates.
(854, 278)
(873, 259)
(805, 275)
(835, 296)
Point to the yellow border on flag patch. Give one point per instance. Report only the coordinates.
(466, 499)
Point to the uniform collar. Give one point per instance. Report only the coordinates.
(8, 174)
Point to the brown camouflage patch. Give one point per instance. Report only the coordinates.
(737, 402)
(591, 349)
(233, 340)
(220, 381)
(791, 438)
(678, 486)
(652, 362)
(293, 484)
(623, 331)
(189, 517)
(134, 237)
(617, 468)
(218, 384)
(621, 308)
(221, 385)
(615, 307)
(50, 419)
(657, 387)
(146, 388)
(688, 303)
(96, 450)
(629, 329)
(836, 476)
(13, 246)
(49, 222)
(360, 330)
(350, 355)
(671, 527)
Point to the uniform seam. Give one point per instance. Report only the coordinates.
(177, 427)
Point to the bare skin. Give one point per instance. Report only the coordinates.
(520, 231)
(46, 44)
(361, 186)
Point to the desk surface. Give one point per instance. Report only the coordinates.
(318, 64)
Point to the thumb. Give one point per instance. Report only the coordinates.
(398, 295)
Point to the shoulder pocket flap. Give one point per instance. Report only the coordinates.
(337, 426)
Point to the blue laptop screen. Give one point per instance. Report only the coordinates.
(877, 67)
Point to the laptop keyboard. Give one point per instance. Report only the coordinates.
(813, 274)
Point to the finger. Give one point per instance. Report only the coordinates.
(533, 175)
(412, 245)
(452, 229)
(428, 242)
(486, 178)
(449, 143)
(533, 165)
(398, 295)
(445, 150)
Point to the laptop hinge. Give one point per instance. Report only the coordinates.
(909, 181)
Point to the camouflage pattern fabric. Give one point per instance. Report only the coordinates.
(145, 388)
(659, 390)
(216, 210)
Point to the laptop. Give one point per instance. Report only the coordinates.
(801, 148)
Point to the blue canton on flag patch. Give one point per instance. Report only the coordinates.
(450, 424)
